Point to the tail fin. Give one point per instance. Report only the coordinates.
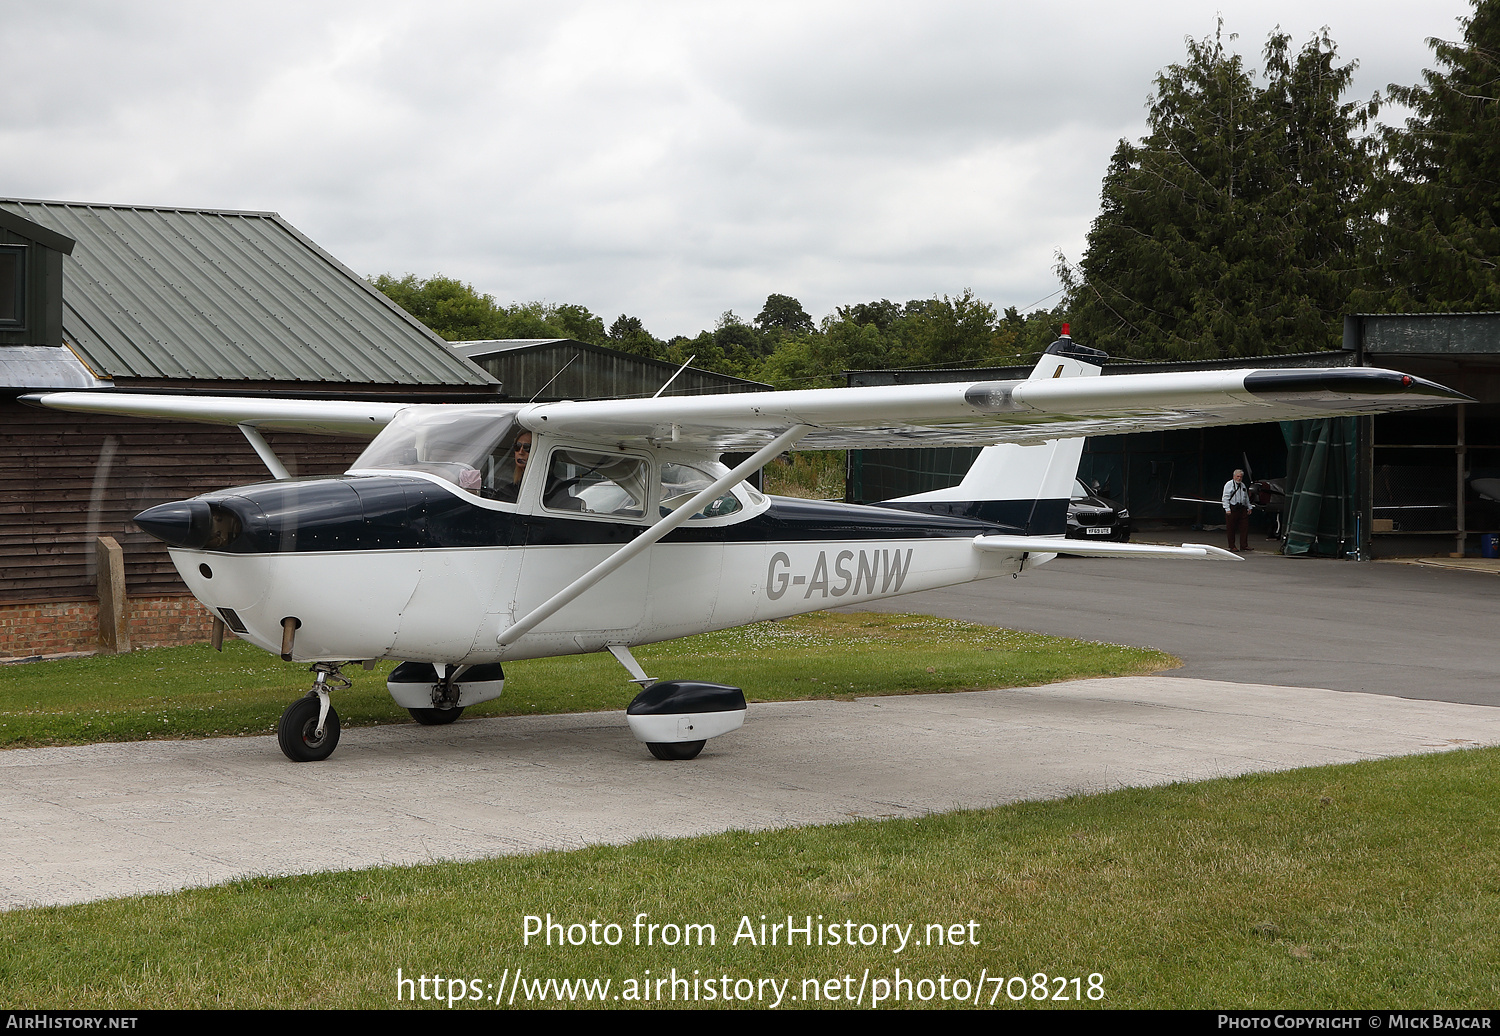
(1025, 488)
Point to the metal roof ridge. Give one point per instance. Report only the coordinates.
(1453, 313)
(259, 213)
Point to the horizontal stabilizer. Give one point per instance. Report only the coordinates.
(1083, 548)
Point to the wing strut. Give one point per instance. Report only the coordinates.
(722, 485)
(264, 452)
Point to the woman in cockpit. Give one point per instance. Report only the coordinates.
(520, 454)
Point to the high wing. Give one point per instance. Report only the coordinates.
(981, 413)
(963, 413)
(314, 416)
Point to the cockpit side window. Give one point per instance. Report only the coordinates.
(502, 471)
(681, 482)
(596, 483)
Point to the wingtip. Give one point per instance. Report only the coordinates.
(1216, 552)
(1311, 386)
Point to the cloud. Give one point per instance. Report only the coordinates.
(670, 160)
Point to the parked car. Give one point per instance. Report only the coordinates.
(1091, 516)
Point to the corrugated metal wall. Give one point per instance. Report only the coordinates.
(597, 374)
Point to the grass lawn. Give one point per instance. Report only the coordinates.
(194, 692)
(1373, 885)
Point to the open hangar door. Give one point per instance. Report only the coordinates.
(1415, 483)
(1394, 484)
(1430, 481)
(1174, 479)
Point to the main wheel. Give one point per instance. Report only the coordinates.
(297, 733)
(435, 717)
(670, 750)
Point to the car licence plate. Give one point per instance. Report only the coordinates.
(1098, 530)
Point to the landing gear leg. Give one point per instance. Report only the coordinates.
(625, 658)
(309, 728)
(445, 707)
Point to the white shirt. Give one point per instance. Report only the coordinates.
(1236, 493)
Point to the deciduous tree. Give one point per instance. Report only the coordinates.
(459, 313)
(449, 307)
(784, 314)
(629, 335)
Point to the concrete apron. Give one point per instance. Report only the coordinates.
(112, 820)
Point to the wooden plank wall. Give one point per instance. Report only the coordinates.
(68, 478)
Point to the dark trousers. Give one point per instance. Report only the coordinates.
(1238, 520)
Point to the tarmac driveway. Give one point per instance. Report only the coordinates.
(1377, 627)
(112, 820)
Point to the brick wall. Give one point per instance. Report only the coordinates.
(55, 627)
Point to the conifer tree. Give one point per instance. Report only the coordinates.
(1230, 229)
(1440, 246)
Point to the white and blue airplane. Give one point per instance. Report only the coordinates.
(448, 547)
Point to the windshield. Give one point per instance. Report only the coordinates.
(469, 447)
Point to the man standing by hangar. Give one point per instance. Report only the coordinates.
(1236, 501)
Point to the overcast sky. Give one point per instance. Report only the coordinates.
(665, 160)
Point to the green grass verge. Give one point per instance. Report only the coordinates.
(1367, 886)
(809, 474)
(194, 692)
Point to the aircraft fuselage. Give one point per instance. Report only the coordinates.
(385, 566)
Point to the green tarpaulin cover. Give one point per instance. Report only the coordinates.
(1320, 488)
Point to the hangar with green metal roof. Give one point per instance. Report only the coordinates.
(127, 298)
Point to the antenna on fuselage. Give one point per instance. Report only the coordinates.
(673, 378)
(553, 378)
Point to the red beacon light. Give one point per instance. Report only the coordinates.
(1065, 332)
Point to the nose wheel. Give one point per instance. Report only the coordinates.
(309, 728)
(298, 732)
